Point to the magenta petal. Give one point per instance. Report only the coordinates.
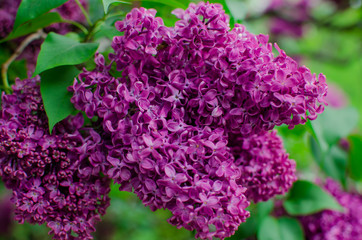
(147, 164)
(170, 171)
(210, 95)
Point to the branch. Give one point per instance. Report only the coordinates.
(18, 51)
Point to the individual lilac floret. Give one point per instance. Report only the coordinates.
(264, 166)
(51, 175)
(333, 225)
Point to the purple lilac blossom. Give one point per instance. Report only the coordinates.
(333, 225)
(264, 166)
(167, 163)
(291, 17)
(51, 175)
(221, 78)
(169, 122)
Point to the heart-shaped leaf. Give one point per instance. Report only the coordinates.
(355, 160)
(334, 124)
(56, 98)
(33, 25)
(31, 9)
(107, 3)
(284, 228)
(306, 198)
(171, 3)
(58, 50)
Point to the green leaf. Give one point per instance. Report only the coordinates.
(95, 10)
(269, 229)
(107, 31)
(236, 9)
(245, 229)
(290, 229)
(58, 50)
(257, 213)
(56, 97)
(296, 143)
(33, 25)
(17, 69)
(264, 209)
(171, 3)
(355, 159)
(284, 228)
(328, 129)
(333, 161)
(306, 198)
(335, 124)
(334, 164)
(31, 9)
(107, 3)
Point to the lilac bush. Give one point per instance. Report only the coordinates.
(51, 175)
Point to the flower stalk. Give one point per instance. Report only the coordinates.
(4, 69)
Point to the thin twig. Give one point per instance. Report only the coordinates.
(93, 28)
(84, 13)
(78, 25)
(18, 51)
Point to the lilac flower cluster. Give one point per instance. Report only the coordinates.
(167, 163)
(68, 11)
(335, 225)
(222, 78)
(51, 175)
(264, 165)
(186, 125)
